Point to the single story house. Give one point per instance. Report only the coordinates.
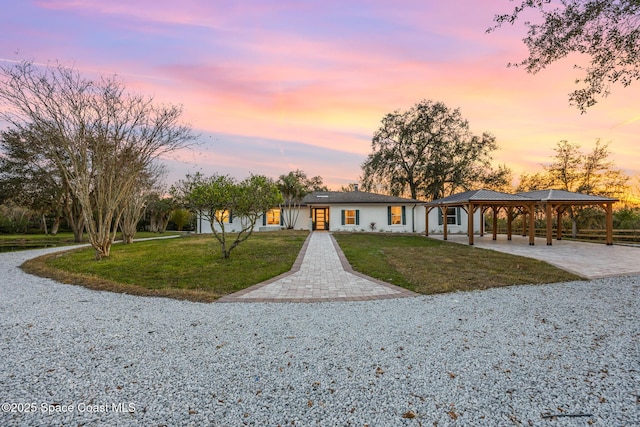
(356, 211)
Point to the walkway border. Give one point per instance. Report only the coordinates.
(234, 297)
(237, 296)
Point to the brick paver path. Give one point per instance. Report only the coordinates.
(321, 273)
(590, 260)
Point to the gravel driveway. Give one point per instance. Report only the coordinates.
(509, 356)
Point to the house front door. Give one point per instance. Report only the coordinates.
(321, 218)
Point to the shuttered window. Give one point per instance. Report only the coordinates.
(350, 217)
(396, 215)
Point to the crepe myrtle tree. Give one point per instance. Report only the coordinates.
(100, 137)
(134, 206)
(220, 198)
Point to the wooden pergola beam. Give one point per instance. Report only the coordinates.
(549, 216)
(532, 225)
(470, 211)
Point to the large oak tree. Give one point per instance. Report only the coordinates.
(429, 152)
(606, 33)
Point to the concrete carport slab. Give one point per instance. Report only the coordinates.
(589, 260)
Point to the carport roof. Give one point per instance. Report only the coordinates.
(475, 196)
(565, 196)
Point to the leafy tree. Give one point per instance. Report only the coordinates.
(30, 179)
(627, 218)
(572, 170)
(294, 186)
(591, 173)
(430, 151)
(180, 217)
(159, 209)
(605, 31)
(220, 197)
(100, 137)
(15, 218)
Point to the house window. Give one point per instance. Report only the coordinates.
(350, 217)
(273, 217)
(222, 216)
(396, 215)
(452, 216)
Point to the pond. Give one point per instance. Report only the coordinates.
(14, 246)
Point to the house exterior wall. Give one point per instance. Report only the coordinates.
(203, 226)
(379, 215)
(461, 226)
(367, 214)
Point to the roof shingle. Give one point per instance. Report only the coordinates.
(337, 197)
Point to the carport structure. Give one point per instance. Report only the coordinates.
(560, 201)
(470, 201)
(525, 203)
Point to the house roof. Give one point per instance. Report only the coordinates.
(342, 197)
(565, 196)
(481, 196)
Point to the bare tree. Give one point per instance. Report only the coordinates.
(133, 207)
(101, 137)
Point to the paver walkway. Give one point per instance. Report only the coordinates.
(590, 260)
(321, 273)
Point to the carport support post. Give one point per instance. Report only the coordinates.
(470, 223)
(532, 225)
(509, 222)
(426, 222)
(494, 210)
(443, 210)
(560, 211)
(549, 215)
(609, 210)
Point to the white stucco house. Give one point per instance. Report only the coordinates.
(356, 211)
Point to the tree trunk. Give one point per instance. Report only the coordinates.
(55, 226)
(75, 219)
(103, 250)
(44, 224)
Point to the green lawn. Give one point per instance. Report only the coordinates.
(63, 237)
(186, 268)
(431, 266)
(191, 267)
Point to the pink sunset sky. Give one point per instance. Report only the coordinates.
(276, 85)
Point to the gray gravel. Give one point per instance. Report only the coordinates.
(507, 356)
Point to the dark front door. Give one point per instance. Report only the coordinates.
(321, 218)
